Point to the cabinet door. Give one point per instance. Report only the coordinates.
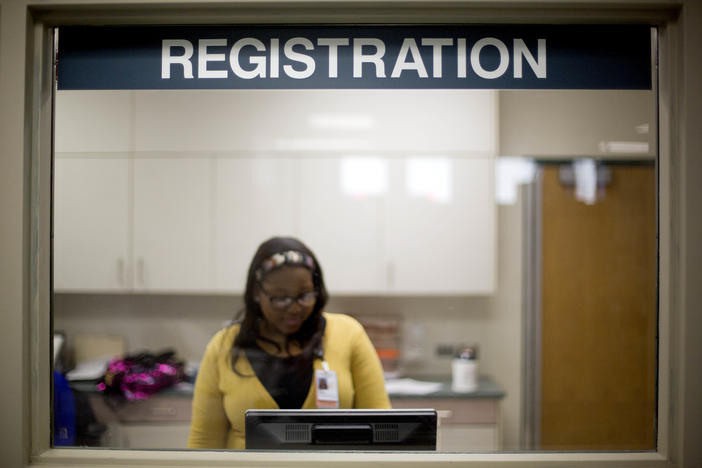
(341, 224)
(255, 200)
(468, 437)
(440, 226)
(91, 224)
(173, 224)
(155, 435)
(94, 121)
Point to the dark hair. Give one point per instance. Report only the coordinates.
(309, 336)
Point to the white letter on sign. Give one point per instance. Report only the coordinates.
(275, 53)
(298, 57)
(377, 58)
(259, 61)
(409, 45)
(167, 59)
(538, 66)
(436, 45)
(461, 57)
(333, 44)
(203, 57)
(475, 58)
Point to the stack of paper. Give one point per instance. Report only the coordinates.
(411, 387)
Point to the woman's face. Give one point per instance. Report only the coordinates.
(291, 285)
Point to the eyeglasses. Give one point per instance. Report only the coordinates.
(305, 299)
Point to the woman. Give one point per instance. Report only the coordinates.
(285, 353)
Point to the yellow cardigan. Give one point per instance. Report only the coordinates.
(221, 397)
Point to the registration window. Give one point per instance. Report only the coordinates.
(495, 243)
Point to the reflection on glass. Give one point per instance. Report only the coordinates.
(625, 147)
(340, 121)
(364, 177)
(585, 180)
(430, 178)
(510, 173)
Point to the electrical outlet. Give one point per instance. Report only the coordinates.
(444, 350)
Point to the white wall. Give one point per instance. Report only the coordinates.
(188, 322)
(504, 330)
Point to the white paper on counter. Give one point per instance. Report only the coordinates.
(411, 387)
(90, 369)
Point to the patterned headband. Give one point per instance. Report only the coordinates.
(289, 257)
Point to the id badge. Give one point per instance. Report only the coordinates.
(327, 389)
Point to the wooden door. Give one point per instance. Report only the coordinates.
(598, 377)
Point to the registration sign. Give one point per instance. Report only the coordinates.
(355, 57)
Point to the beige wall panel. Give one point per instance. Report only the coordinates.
(577, 123)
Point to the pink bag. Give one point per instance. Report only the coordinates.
(139, 376)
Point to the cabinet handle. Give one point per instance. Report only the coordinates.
(140, 272)
(391, 274)
(163, 411)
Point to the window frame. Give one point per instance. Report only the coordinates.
(37, 51)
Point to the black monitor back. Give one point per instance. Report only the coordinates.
(341, 429)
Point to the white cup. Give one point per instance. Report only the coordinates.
(465, 375)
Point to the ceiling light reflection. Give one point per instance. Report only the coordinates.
(321, 144)
(510, 173)
(364, 177)
(430, 178)
(340, 121)
(627, 147)
(585, 180)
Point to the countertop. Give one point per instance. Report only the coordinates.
(487, 388)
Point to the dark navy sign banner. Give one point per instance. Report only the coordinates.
(355, 57)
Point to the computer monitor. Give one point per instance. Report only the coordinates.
(341, 429)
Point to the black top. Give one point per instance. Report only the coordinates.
(287, 379)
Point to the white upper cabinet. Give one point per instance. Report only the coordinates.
(440, 227)
(93, 138)
(325, 122)
(147, 231)
(91, 224)
(94, 122)
(255, 200)
(340, 220)
(392, 189)
(410, 226)
(173, 212)
(126, 221)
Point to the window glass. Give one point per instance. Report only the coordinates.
(498, 249)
